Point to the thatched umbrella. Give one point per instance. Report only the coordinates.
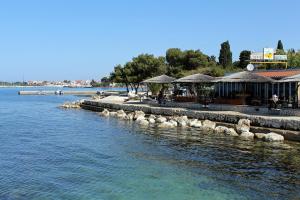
(199, 80)
(196, 78)
(163, 79)
(245, 77)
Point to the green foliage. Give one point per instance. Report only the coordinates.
(99, 84)
(180, 61)
(225, 57)
(293, 58)
(244, 59)
(138, 69)
(155, 88)
(279, 45)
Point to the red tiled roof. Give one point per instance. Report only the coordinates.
(278, 73)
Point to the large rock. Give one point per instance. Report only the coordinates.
(129, 116)
(221, 130)
(151, 120)
(152, 117)
(243, 126)
(113, 114)
(192, 122)
(209, 124)
(181, 119)
(273, 137)
(121, 114)
(105, 113)
(182, 123)
(173, 122)
(226, 131)
(232, 132)
(140, 118)
(161, 119)
(197, 124)
(165, 125)
(142, 122)
(247, 135)
(138, 114)
(259, 135)
(75, 104)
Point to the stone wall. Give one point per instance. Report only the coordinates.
(284, 124)
(258, 110)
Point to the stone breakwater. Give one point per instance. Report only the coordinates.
(286, 126)
(242, 128)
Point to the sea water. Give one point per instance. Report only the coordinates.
(51, 153)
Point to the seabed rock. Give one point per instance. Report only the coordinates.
(209, 124)
(143, 122)
(129, 117)
(113, 114)
(151, 120)
(152, 117)
(75, 104)
(165, 125)
(232, 132)
(105, 113)
(221, 130)
(243, 126)
(140, 118)
(161, 119)
(121, 114)
(138, 114)
(247, 135)
(259, 136)
(273, 137)
(173, 122)
(181, 123)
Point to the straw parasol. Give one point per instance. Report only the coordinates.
(245, 77)
(163, 79)
(196, 78)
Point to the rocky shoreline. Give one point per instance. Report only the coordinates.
(206, 121)
(242, 128)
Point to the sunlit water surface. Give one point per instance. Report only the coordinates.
(50, 153)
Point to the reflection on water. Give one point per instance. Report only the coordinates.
(49, 153)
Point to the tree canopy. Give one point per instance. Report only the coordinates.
(225, 57)
(138, 69)
(280, 45)
(244, 59)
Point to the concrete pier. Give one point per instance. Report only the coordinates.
(287, 126)
(52, 92)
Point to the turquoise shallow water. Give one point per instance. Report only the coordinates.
(50, 153)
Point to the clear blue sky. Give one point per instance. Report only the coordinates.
(84, 39)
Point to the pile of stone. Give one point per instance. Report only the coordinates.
(74, 105)
(242, 129)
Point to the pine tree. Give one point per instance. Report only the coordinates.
(225, 57)
(244, 58)
(279, 45)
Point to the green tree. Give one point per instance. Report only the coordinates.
(293, 58)
(244, 58)
(280, 45)
(138, 69)
(194, 59)
(174, 59)
(225, 57)
(119, 75)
